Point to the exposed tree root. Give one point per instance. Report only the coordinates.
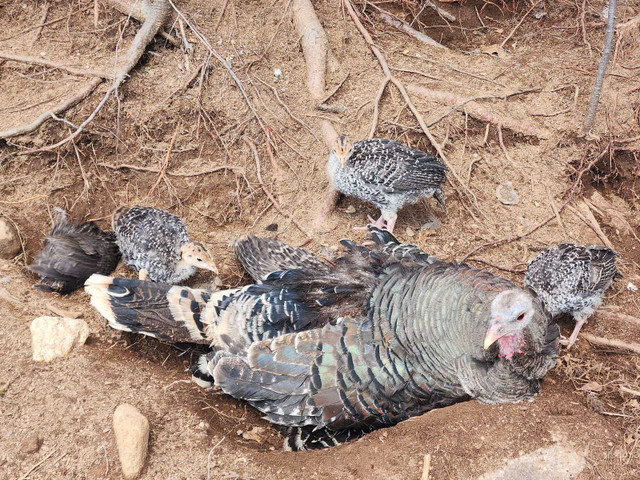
(156, 12)
(67, 104)
(480, 112)
(56, 65)
(611, 342)
(137, 9)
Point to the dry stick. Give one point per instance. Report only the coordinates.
(554, 208)
(406, 28)
(284, 105)
(582, 211)
(333, 92)
(165, 164)
(45, 13)
(520, 23)
(276, 205)
(602, 68)
(157, 14)
(385, 68)
(205, 41)
(480, 112)
(126, 166)
(376, 106)
(67, 104)
(26, 475)
(611, 342)
(455, 69)
(504, 149)
(407, 70)
(224, 7)
(56, 65)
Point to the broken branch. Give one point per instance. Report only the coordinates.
(611, 342)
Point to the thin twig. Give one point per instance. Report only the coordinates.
(163, 169)
(45, 14)
(216, 445)
(46, 24)
(426, 467)
(602, 68)
(173, 174)
(504, 149)
(224, 8)
(455, 69)
(26, 475)
(337, 87)
(376, 106)
(223, 62)
(64, 106)
(275, 203)
(520, 23)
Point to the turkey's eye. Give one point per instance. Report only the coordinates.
(199, 260)
(520, 317)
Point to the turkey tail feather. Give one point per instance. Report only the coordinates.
(169, 313)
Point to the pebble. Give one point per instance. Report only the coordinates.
(31, 444)
(5, 280)
(431, 224)
(9, 240)
(410, 232)
(55, 337)
(131, 430)
(350, 209)
(255, 434)
(506, 194)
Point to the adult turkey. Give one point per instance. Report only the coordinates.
(385, 173)
(572, 279)
(72, 253)
(369, 343)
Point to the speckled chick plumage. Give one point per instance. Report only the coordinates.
(72, 253)
(153, 239)
(572, 279)
(386, 174)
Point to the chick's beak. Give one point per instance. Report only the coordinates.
(343, 161)
(212, 267)
(493, 334)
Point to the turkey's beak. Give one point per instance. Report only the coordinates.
(492, 335)
(212, 267)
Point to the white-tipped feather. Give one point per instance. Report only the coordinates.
(97, 287)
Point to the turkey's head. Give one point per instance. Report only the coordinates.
(342, 149)
(196, 254)
(511, 312)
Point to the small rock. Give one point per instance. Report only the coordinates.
(54, 337)
(431, 224)
(506, 194)
(255, 434)
(5, 280)
(410, 232)
(217, 282)
(272, 227)
(31, 444)
(131, 430)
(632, 287)
(350, 209)
(9, 240)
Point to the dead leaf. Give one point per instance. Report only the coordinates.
(495, 51)
(592, 387)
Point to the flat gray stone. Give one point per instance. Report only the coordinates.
(555, 462)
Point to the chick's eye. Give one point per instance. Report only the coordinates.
(520, 317)
(199, 260)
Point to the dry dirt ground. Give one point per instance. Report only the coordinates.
(586, 402)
